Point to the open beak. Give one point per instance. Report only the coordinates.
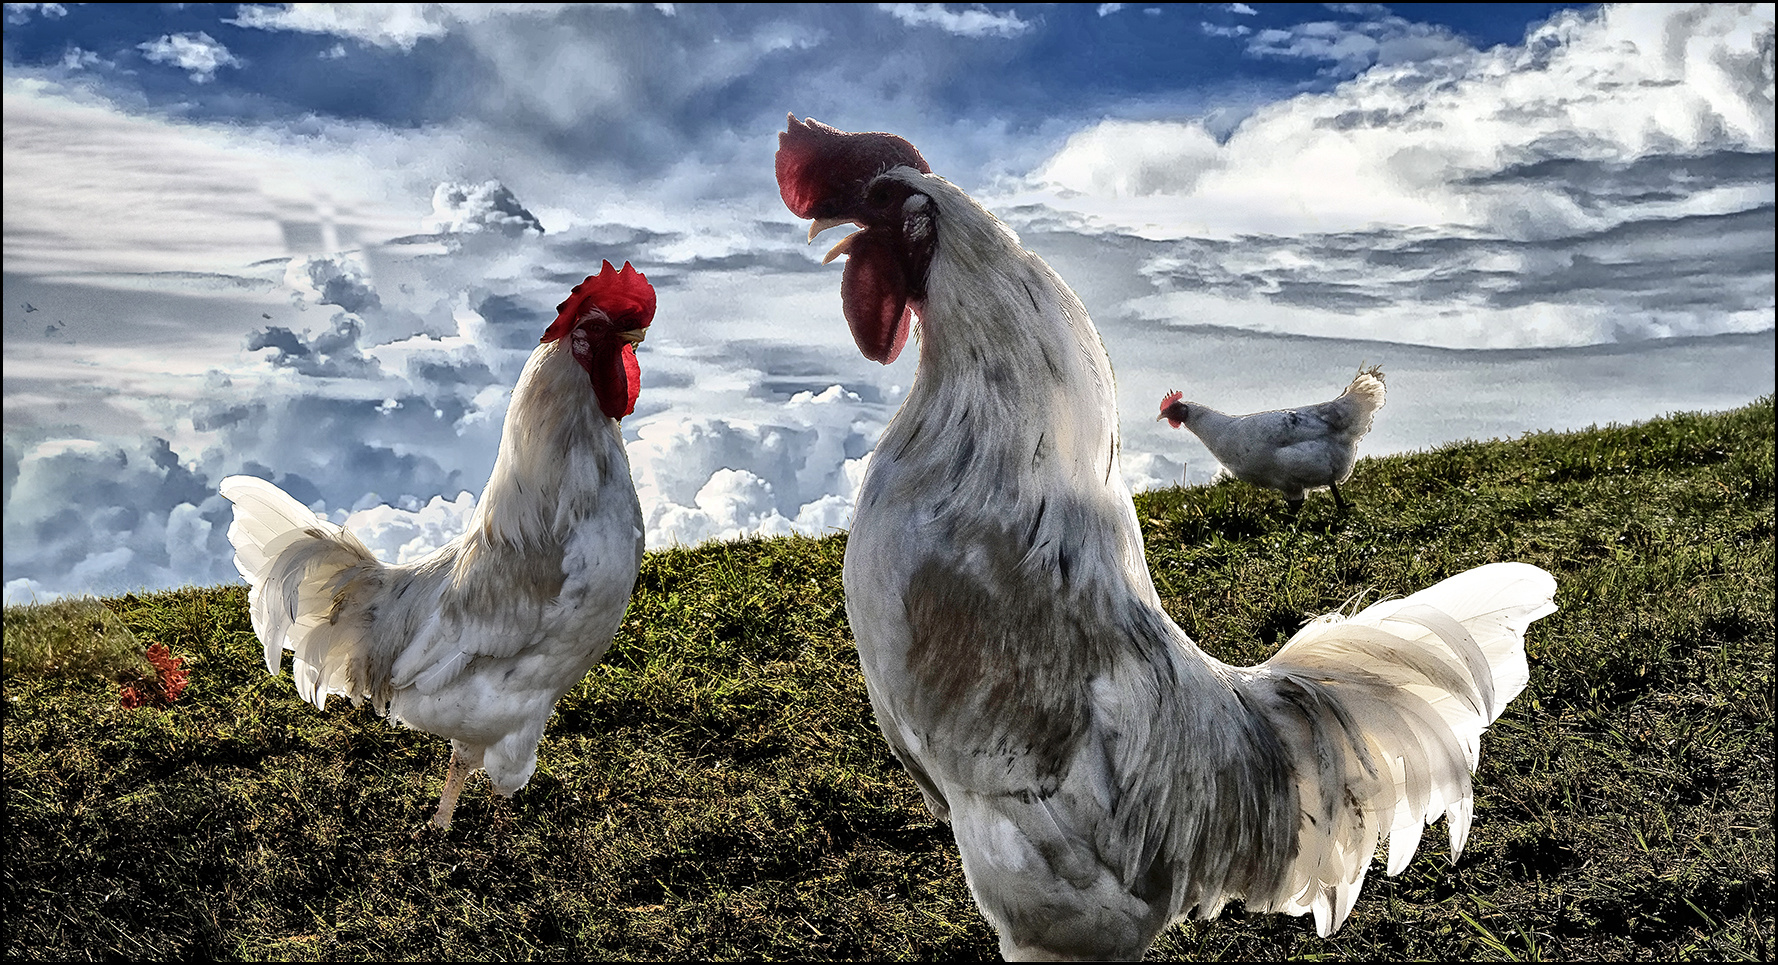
(634, 336)
(822, 224)
(844, 245)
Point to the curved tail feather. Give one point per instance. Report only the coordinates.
(304, 572)
(1383, 712)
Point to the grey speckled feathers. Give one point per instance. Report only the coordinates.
(1103, 776)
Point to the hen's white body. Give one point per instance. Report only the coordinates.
(479, 640)
(1290, 450)
(1104, 776)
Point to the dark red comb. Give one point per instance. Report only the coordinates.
(624, 296)
(822, 170)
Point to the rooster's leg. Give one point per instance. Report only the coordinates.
(454, 780)
(1337, 500)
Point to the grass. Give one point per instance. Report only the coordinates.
(716, 788)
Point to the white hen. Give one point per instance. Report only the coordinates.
(1290, 450)
(1102, 775)
(479, 640)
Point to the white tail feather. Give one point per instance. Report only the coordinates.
(298, 566)
(1384, 712)
(1366, 390)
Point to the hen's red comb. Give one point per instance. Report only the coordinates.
(1167, 402)
(624, 296)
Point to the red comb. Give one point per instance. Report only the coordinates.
(822, 169)
(1166, 403)
(624, 296)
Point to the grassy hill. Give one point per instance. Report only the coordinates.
(717, 788)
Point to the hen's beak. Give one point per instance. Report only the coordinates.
(822, 224)
(841, 248)
(634, 336)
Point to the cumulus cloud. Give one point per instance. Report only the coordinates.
(1417, 143)
(88, 515)
(720, 478)
(333, 280)
(474, 208)
(198, 54)
(399, 535)
(1134, 159)
(333, 354)
(977, 21)
(24, 591)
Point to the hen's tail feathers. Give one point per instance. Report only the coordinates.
(1366, 391)
(1383, 712)
(304, 572)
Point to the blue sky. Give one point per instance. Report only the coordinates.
(315, 242)
(1075, 59)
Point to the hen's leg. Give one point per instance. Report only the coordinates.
(1337, 500)
(454, 780)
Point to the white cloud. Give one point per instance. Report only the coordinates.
(977, 21)
(403, 536)
(392, 25)
(1107, 9)
(1242, 9)
(76, 58)
(20, 13)
(25, 590)
(1415, 143)
(721, 478)
(1125, 159)
(199, 54)
(1147, 470)
(474, 208)
(1354, 46)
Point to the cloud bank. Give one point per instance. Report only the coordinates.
(1578, 226)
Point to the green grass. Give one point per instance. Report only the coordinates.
(716, 788)
(77, 636)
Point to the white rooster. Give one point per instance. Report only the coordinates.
(1290, 450)
(479, 640)
(1103, 776)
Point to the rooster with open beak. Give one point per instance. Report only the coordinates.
(1102, 775)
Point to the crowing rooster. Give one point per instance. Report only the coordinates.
(1290, 450)
(479, 640)
(1103, 776)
